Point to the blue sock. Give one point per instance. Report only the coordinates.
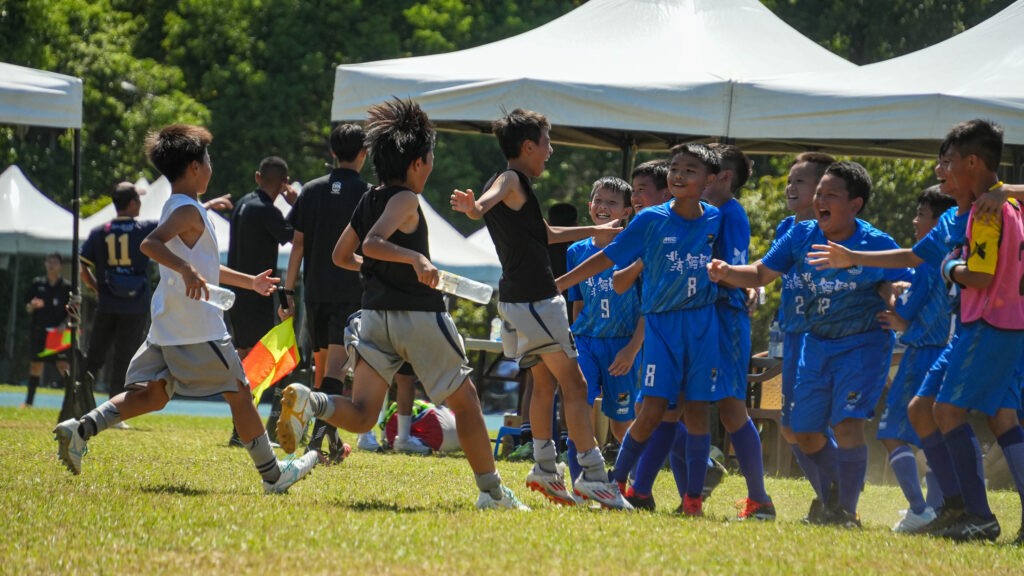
(747, 444)
(934, 497)
(574, 466)
(629, 453)
(827, 461)
(1012, 443)
(964, 455)
(937, 454)
(904, 466)
(678, 460)
(651, 461)
(810, 469)
(698, 448)
(853, 465)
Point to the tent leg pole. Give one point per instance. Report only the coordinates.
(628, 156)
(11, 318)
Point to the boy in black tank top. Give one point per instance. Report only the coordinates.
(535, 330)
(404, 319)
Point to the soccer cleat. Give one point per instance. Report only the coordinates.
(122, 425)
(339, 453)
(639, 501)
(296, 412)
(522, 452)
(411, 445)
(291, 472)
(970, 527)
(816, 514)
(843, 518)
(1019, 540)
(551, 485)
(944, 518)
(368, 443)
(70, 446)
(606, 494)
(508, 501)
(713, 477)
(764, 511)
(912, 522)
(691, 506)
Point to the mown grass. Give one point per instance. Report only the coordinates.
(169, 497)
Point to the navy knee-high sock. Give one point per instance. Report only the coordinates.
(853, 465)
(827, 461)
(574, 466)
(937, 454)
(658, 447)
(1012, 443)
(680, 469)
(960, 442)
(629, 453)
(747, 444)
(698, 449)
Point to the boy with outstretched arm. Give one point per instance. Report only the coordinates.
(535, 327)
(188, 350)
(403, 318)
(845, 356)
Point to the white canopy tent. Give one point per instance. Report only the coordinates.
(902, 105)
(611, 74)
(31, 223)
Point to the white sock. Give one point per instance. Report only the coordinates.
(404, 426)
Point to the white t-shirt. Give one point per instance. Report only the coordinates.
(177, 319)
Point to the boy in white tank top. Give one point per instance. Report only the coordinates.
(188, 350)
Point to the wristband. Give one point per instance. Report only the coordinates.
(287, 292)
(947, 270)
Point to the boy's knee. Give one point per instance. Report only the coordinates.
(849, 433)
(809, 442)
(948, 417)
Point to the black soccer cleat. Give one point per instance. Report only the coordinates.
(969, 528)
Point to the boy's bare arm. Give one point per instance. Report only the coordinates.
(262, 283)
(594, 265)
(604, 232)
(623, 280)
(291, 276)
(741, 276)
(183, 221)
(505, 188)
(577, 307)
(625, 357)
(344, 255)
(401, 208)
(991, 202)
(834, 255)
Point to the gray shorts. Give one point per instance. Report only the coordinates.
(429, 341)
(534, 328)
(202, 369)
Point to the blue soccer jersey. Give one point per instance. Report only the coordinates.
(605, 314)
(789, 321)
(733, 247)
(926, 308)
(834, 302)
(947, 235)
(675, 252)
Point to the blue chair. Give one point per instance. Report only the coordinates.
(505, 431)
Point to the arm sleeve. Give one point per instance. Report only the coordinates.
(573, 294)
(909, 305)
(277, 226)
(628, 245)
(734, 242)
(931, 248)
(295, 215)
(88, 249)
(780, 255)
(984, 248)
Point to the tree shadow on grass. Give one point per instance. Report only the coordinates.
(179, 490)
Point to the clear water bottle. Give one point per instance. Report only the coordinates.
(220, 297)
(775, 340)
(496, 329)
(463, 287)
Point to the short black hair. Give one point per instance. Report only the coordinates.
(275, 167)
(397, 133)
(615, 185)
(174, 147)
(656, 170)
(55, 255)
(983, 138)
(347, 141)
(563, 214)
(123, 195)
(857, 179)
(516, 127)
(711, 159)
(734, 159)
(936, 201)
(819, 160)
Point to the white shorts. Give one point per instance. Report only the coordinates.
(534, 328)
(196, 370)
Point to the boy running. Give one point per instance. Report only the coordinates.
(188, 350)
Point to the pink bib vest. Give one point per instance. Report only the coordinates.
(1002, 303)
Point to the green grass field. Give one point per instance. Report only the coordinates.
(168, 496)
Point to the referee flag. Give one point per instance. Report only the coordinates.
(272, 358)
(57, 340)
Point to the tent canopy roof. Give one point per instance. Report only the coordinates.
(30, 223)
(37, 98)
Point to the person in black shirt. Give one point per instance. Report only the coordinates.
(46, 300)
(404, 319)
(117, 270)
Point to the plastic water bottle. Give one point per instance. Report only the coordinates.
(220, 297)
(496, 329)
(775, 340)
(463, 287)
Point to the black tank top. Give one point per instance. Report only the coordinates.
(393, 285)
(521, 240)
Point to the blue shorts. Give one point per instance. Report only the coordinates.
(734, 350)
(680, 355)
(617, 392)
(895, 424)
(937, 373)
(792, 347)
(984, 364)
(840, 378)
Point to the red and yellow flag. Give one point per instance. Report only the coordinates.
(272, 358)
(57, 340)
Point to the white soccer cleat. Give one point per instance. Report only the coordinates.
(368, 442)
(913, 522)
(508, 501)
(551, 485)
(411, 445)
(296, 412)
(291, 472)
(70, 446)
(604, 493)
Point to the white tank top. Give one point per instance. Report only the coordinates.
(177, 319)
